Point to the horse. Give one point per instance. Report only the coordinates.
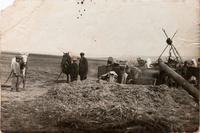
(24, 67)
(66, 65)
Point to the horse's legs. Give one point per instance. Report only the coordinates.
(23, 77)
(23, 82)
(67, 78)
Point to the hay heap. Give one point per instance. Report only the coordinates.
(105, 105)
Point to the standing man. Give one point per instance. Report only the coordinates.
(74, 70)
(16, 72)
(83, 67)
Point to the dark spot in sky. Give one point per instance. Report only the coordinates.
(81, 3)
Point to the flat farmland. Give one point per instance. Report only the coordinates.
(42, 70)
(46, 106)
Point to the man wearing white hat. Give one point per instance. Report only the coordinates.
(110, 76)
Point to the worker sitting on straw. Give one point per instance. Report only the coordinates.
(16, 72)
(110, 76)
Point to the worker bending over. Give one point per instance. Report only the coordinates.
(16, 73)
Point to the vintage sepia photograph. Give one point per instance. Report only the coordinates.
(99, 66)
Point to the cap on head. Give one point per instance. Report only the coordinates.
(113, 73)
(18, 57)
(82, 53)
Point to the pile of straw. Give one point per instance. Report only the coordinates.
(93, 105)
(96, 106)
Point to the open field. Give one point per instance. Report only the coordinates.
(48, 106)
(42, 69)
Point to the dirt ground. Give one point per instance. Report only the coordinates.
(42, 72)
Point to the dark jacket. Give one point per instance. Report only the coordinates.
(74, 70)
(83, 66)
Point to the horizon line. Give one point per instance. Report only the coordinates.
(45, 54)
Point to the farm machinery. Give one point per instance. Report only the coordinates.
(173, 72)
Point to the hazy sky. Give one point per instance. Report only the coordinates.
(5, 3)
(100, 27)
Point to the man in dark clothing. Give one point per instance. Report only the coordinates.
(74, 71)
(83, 67)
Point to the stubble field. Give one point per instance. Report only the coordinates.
(89, 106)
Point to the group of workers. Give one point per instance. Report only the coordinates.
(129, 75)
(120, 72)
(190, 71)
(18, 67)
(72, 68)
(81, 69)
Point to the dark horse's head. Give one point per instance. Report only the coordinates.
(65, 63)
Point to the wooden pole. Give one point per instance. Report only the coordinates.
(180, 80)
(59, 76)
(8, 77)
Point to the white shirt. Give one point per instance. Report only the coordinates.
(15, 67)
